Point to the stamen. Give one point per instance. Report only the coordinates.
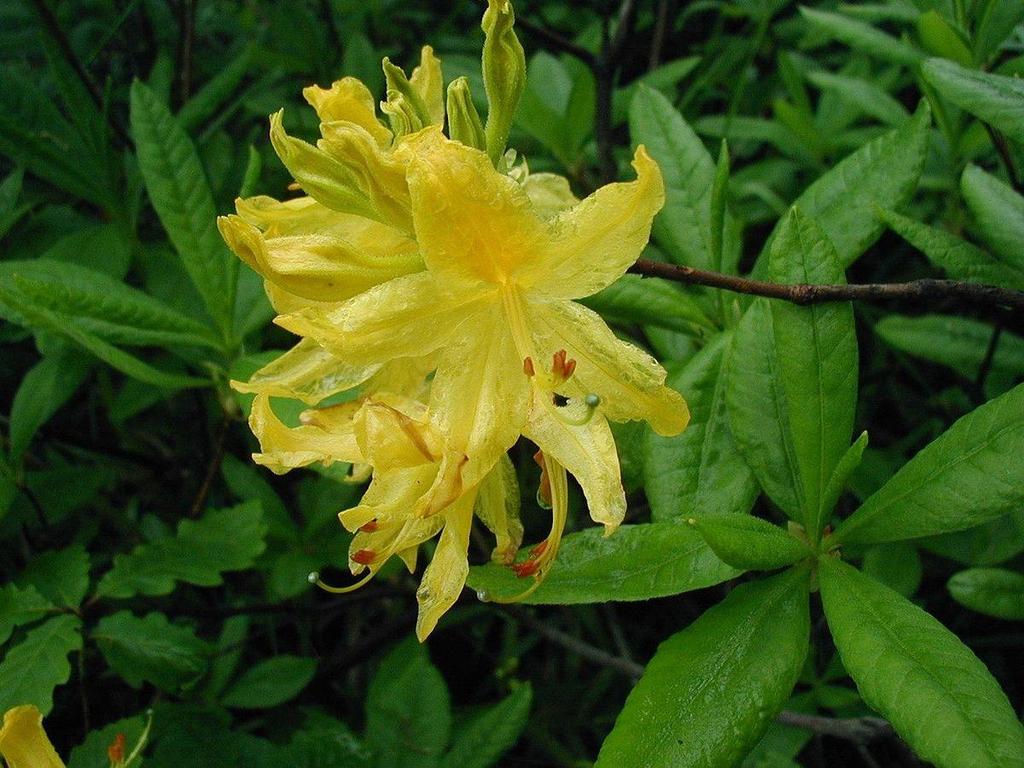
(528, 366)
(314, 578)
(590, 404)
(363, 556)
(370, 527)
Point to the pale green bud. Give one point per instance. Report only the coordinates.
(405, 108)
(504, 66)
(464, 122)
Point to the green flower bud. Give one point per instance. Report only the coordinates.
(464, 122)
(405, 108)
(504, 66)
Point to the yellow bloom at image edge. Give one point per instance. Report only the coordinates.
(23, 742)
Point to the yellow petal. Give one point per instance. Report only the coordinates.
(549, 193)
(23, 742)
(497, 506)
(592, 244)
(629, 381)
(322, 177)
(587, 451)
(320, 266)
(391, 496)
(284, 448)
(378, 174)
(479, 396)
(348, 99)
(445, 577)
(393, 432)
(391, 539)
(404, 317)
(306, 372)
(429, 83)
(473, 223)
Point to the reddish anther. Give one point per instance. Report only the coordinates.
(570, 368)
(524, 569)
(115, 752)
(528, 366)
(369, 527)
(363, 556)
(538, 549)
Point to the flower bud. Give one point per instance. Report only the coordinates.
(464, 124)
(504, 68)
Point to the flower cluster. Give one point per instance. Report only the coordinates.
(434, 277)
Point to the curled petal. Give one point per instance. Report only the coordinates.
(549, 193)
(284, 448)
(497, 506)
(349, 100)
(590, 245)
(319, 267)
(587, 451)
(306, 372)
(446, 575)
(404, 317)
(394, 432)
(23, 742)
(630, 383)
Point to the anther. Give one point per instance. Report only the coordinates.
(363, 556)
(527, 568)
(370, 527)
(528, 366)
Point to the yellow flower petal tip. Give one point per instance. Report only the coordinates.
(24, 743)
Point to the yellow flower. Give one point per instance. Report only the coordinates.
(23, 742)
(495, 308)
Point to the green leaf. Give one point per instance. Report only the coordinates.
(227, 656)
(151, 649)
(970, 474)
(758, 412)
(998, 214)
(700, 470)
(35, 134)
(750, 543)
(997, 100)
(209, 99)
(223, 540)
(181, 196)
(884, 172)
(19, 607)
(10, 191)
(841, 474)
(44, 389)
(863, 37)
(270, 682)
(491, 732)
(996, 20)
(897, 565)
(990, 543)
(103, 306)
(650, 301)
(39, 663)
(92, 753)
(960, 259)
(408, 717)
(863, 94)
(992, 591)
(637, 562)
(682, 227)
(711, 691)
(936, 693)
(959, 342)
(41, 319)
(816, 349)
(557, 107)
(60, 575)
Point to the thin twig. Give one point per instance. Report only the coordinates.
(56, 33)
(212, 468)
(986, 363)
(859, 730)
(1003, 148)
(915, 291)
(556, 41)
(574, 644)
(658, 38)
(186, 32)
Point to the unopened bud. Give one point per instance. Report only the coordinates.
(504, 69)
(464, 124)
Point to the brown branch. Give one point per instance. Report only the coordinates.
(212, 468)
(928, 291)
(556, 41)
(658, 39)
(1003, 148)
(859, 730)
(186, 34)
